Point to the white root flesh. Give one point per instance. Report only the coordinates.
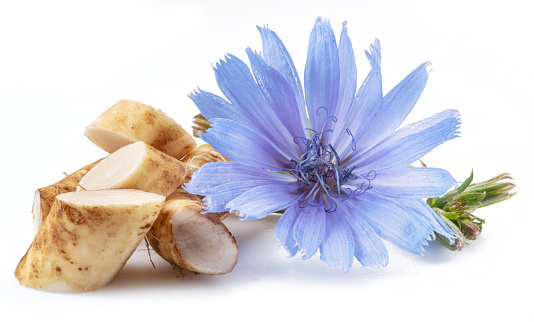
(45, 197)
(87, 238)
(187, 238)
(130, 121)
(136, 166)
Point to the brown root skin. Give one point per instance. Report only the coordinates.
(129, 121)
(194, 241)
(45, 197)
(203, 154)
(197, 158)
(87, 238)
(180, 193)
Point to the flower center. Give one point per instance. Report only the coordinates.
(319, 169)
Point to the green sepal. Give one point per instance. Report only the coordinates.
(442, 201)
(448, 214)
(466, 183)
(471, 198)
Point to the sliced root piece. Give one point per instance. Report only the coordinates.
(187, 238)
(45, 197)
(87, 238)
(136, 166)
(130, 121)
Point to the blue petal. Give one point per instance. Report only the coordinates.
(308, 229)
(275, 55)
(218, 199)
(284, 229)
(375, 56)
(363, 109)
(214, 174)
(347, 82)
(408, 144)
(369, 249)
(213, 106)
(430, 216)
(278, 93)
(263, 200)
(397, 220)
(396, 105)
(237, 84)
(414, 183)
(321, 75)
(337, 249)
(221, 182)
(242, 144)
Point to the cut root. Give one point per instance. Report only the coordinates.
(88, 224)
(187, 238)
(45, 197)
(130, 121)
(87, 238)
(137, 166)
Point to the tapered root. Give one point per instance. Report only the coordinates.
(87, 238)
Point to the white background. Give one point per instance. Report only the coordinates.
(62, 63)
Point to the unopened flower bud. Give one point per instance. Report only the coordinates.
(458, 244)
(456, 207)
(469, 228)
(495, 190)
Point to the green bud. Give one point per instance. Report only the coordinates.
(458, 244)
(469, 228)
(456, 207)
(471, 198)
(496, 190)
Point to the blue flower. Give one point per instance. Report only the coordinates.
(328, 154)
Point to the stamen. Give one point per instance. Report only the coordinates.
(328, 117)
(353, 140)
(317, 169)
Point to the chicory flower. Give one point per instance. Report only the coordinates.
(329, 155)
